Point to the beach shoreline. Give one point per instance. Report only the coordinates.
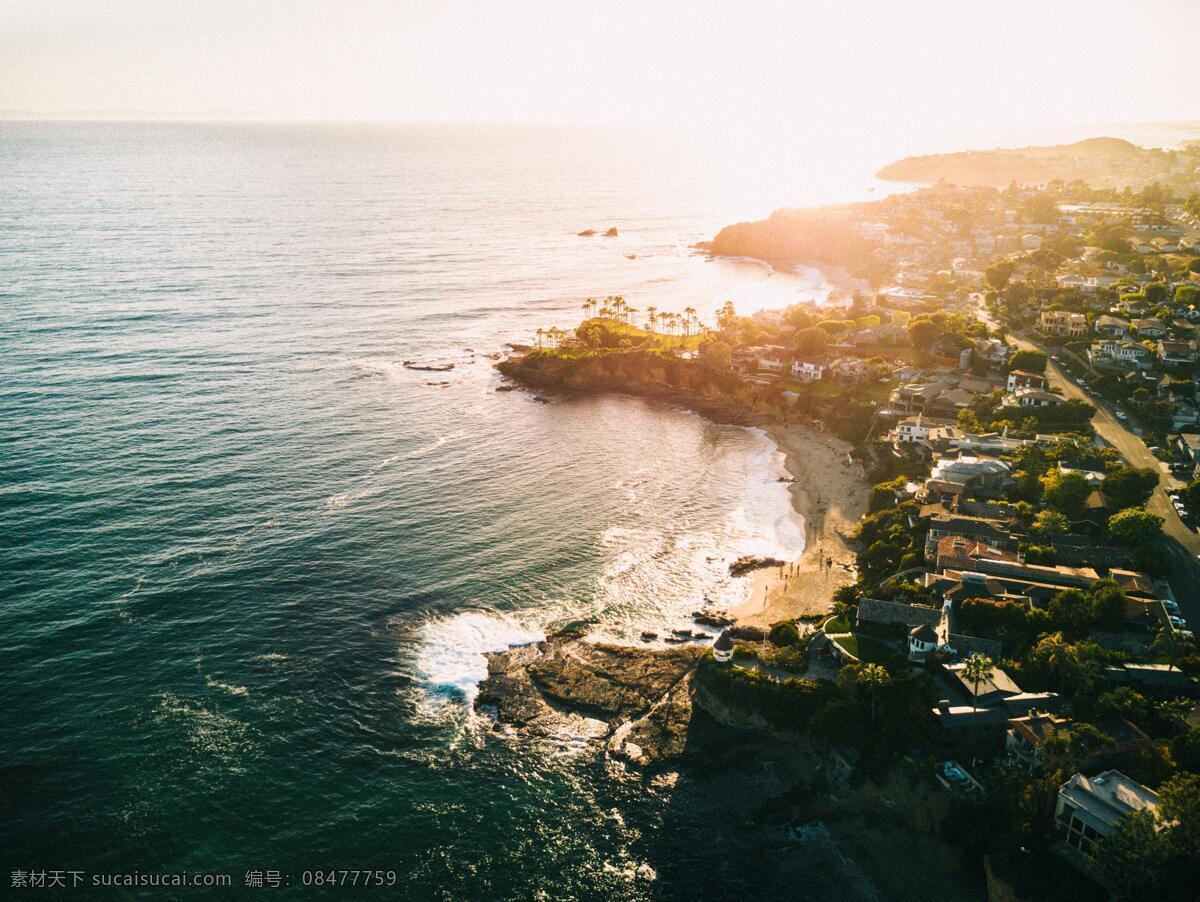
(831, 493)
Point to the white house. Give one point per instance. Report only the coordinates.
(1031, 397)
(1090, 809)
(806, 371)
(1120, 352)
(922, 642)
(771, 359)
(723, 648)
(1150, 328)
(1019, 379)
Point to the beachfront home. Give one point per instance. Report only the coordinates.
(922, 643)
(1089, 809)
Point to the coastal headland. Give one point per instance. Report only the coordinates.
(1002, 615)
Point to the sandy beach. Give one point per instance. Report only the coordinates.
(831, 493)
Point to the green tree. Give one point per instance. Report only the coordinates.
(812, 340)
(1065, 492)
(1134, 527)
(1071, 612)
(716, 354)
(1050, 523)
(873, 677)
(1028, 361)
(998, 274)
(1129, 487)
(922, 331)
(1191, 496)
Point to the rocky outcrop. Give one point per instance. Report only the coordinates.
(749, 562)
(644, 695)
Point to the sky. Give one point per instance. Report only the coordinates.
(774, 69)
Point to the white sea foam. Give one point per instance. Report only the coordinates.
(453, 648)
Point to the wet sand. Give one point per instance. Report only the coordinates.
(831, 493)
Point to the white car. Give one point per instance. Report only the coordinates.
(1171, 606)
(1121, 415)
(1177, 622)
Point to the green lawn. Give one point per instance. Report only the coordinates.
(868, 650)
(838, 624)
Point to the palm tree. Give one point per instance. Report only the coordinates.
(541, 333)
(690, 314)
(977, 668)
(587, 308)
(874, 677)
(1059, 656)
(1171, 646)
(605, 312)
(652, 316)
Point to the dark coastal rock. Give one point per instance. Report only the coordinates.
(712, 618)
(750, 562)
(611, 233)
(586, 233)
(539, 687)
(506, 388)
(540, 399)
(428, 367)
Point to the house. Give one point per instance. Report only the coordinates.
(961, 553)
(989, 691)
(875, 610)
(972, 471)
(1024, 379)
(1089, 809)
(1108, 326)
(992, 351)
(806, 371)
(922, 643)
(1032, 397)
(949, 402)
(850, 370)
(772, 359)
(1150, 328)
(1183, 352)
(1112, 351)
(1063, 323)
(1030, 738)
(916, 429)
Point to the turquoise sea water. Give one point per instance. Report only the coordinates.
(250, 562)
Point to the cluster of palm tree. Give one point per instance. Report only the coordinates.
(615, 307)
(551, 337)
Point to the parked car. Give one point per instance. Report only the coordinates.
(1177, 622)
(1171, 606)
(1121, 415)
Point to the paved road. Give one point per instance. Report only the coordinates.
(1182, 543)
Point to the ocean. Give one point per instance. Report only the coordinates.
(250, 562)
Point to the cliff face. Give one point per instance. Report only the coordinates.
(794, 236)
